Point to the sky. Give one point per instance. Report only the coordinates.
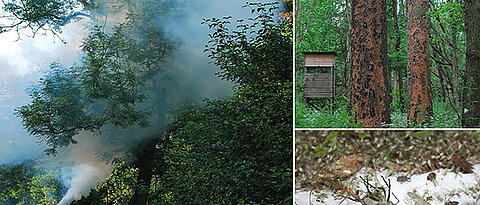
(22, 62)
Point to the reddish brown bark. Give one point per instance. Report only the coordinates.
(370, 90)
(420, 107)
(471, 118)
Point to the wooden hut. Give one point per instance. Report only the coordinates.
(319, 75)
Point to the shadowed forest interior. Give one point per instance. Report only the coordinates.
(398, 63)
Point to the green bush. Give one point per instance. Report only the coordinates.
(340, 117)
(309, 117)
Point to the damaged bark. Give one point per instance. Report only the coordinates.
(420, 107)
(471, 116)
(370, 90)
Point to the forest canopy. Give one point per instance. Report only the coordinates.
(124, 89)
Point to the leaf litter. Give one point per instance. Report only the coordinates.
(396, 166)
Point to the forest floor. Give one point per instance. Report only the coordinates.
(321, 115)
(392, 167)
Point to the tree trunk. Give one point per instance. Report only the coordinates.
(398, 77)
(144, 161)
(471, 117)
(420, 107)
(370, 91)
(145, 152)
(348, 76)
(455, 71)
(298, 8)
(454, 65)
(441, 81)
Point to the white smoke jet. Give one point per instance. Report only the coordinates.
(86, 176)
(87, 170)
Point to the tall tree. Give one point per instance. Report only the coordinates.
(347, 76)
(446, 44)
(471, 117)
(370, 89)
(119, 71)
(419, 93)
(397, 52)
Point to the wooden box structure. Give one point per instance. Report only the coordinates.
(319, 75)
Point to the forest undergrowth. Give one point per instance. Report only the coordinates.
(325, 115)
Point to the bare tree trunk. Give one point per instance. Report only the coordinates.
(145, 152)
(455, 66)
(455, 71)
(144, 161)
(298, 9)
(395, 83)
(471, 117)
(420, 107)
(348, 7)
(398, 78)
(443, 90)
(370, 90)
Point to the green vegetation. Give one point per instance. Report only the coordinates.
(309, 117)
(235, 151)
(232, 151)
(26, 184)
(106, 89)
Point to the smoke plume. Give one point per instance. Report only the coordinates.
(83, 168)
(85, 177)
(83, 165)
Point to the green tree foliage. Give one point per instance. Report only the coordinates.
(48, 16)
(108, 88)
(234, 151)
(56, 108)
(45, 189)
(117, 189)
(228, 153)
(448, 51)
(43, 15)
(323, 26)
(238, 151)
(23, 184)
(13, 183)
